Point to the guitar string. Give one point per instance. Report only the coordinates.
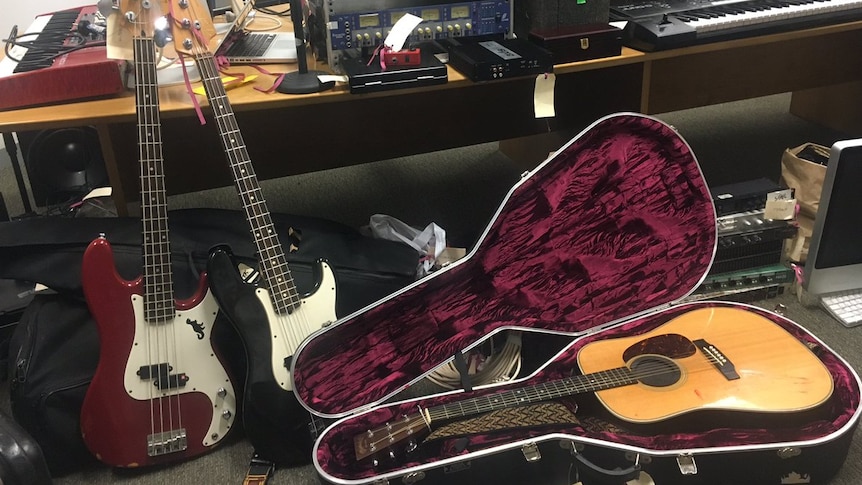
(146, 214)
(171, 329)
(138, 53)
(586, 383)
(273, 261)
(162, 309)
(169, 318)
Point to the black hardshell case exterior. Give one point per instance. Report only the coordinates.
(599, 243)
(21, 460)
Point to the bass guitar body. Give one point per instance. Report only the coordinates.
(274, 420)
(160, 393)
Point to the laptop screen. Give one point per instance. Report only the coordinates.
(835, 254)
(244, 9)
(237, 25)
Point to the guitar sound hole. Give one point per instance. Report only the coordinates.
(655, 370)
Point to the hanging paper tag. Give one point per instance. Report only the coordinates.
(543, 96)
(401, 30)
(780, 205)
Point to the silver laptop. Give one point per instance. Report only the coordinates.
(833, 270)
(239, 44)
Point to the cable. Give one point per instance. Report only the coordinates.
(276, 24)
(496, 367)
(12, 35)
(38, 48)
(270, 11)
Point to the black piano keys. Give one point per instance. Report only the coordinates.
(47, 44)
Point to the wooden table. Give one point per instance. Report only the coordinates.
(292, 134)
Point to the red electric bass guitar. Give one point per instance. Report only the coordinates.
(160, 392)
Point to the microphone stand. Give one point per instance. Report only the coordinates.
(301, 81)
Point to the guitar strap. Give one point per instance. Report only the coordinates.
(534, 415)
(259, 471)
(461, 367)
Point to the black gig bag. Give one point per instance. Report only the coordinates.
(54, 350)
(53, 358)
(49, 251)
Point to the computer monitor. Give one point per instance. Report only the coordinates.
(835, 253)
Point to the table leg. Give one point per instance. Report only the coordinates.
(12, 150)
(835, 107)
(118, 192)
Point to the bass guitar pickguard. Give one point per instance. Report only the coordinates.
(126, 419)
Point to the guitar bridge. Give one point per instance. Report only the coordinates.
(718, 359)
(167, 442)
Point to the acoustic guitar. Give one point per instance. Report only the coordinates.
(725, 359)
(271, 316)
(160, 392)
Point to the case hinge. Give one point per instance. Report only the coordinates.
(686, 464)
(531, 452)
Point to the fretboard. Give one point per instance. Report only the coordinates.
(158, 280)
(597, 381)
(273, 263)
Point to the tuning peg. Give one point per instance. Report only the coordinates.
(162, 32)
(411, 446)
(162, 37)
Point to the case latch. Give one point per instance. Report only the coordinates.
(413, 477)
(789, 452)
(686, 464)
(531, 452)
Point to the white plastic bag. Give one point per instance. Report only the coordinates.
(429, 242)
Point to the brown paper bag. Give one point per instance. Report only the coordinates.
(806, 178)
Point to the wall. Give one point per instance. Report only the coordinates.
(23, 13)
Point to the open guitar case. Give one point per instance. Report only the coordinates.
(601, 241)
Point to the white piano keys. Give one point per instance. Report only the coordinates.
(775, 14)
(7, 65)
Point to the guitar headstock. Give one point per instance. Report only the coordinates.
(192, 27)
(130, 19)
(140, 17)
(381, 442)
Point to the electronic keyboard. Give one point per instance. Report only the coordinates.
(60, 57)
(659, 25)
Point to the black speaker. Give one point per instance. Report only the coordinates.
(553, 14)
(62, 164)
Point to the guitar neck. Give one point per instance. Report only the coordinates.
(371, 442)
(159, 303)
(597, 381)
(273, 263)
